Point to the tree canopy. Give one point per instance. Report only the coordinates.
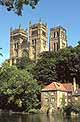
(17, 5)
(23, 61)
(59, 66)
(18, 90)
(44, 70)
(0, 52)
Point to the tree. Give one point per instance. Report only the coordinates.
(60, 66)
(23, 61)
(44, 70)
(0, 52)
(18, 90)
(17, 5)
(67, 64)
(78, 43)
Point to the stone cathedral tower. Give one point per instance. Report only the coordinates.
(58, 38)
(18, 42)
(38, 39)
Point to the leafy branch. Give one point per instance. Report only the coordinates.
(17, 5)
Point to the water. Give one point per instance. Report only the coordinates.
(36, 118)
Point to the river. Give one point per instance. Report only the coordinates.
(36, 118)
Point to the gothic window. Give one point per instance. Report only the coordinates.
(57, 47)
(16, 53)
(43, 33)
(34, 42)
(35, 32)
(54, 34)
(16, 45)
(44, 44)
(54, 47)
(57, 34)
(62, 35)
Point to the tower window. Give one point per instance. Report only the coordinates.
(16, 53)
(12, 61)
(44, 44)
(57, 47)
(35, 32)
(16, 45)
(62, 34)
(44, 33)
(57, 34)
(33, 42)
(54, 47)
(54, 34)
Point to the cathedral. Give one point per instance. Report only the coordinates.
(35, 41)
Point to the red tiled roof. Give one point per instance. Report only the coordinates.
(68, 86)
(58, 86)
(49, 87)
(54, 86)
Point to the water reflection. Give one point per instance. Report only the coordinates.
(36, 118)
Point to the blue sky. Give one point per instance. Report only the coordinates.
(53, 12)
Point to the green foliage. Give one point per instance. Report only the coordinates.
(17, 5)
(68, 64)
(62, 65)
(72, 108)
(0, 52)
(76, 104)
(45, 68)
(68, 109)
(24, 61)
(18, 89)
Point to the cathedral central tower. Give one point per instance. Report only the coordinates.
(38, 38)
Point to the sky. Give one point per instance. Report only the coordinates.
(53, 12)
